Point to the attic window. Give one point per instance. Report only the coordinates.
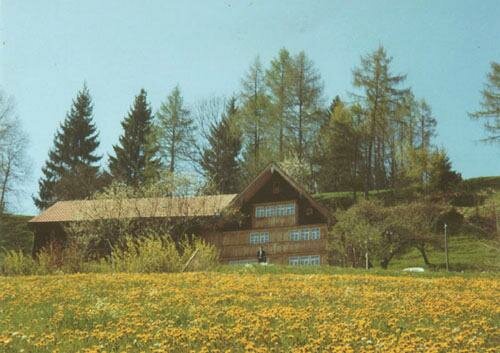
(276, 187)
(309, 211)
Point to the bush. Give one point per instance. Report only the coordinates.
(17, 263)
(207, 256)
(148, 254)
(162, 254)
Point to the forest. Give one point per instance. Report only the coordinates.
(373, 148)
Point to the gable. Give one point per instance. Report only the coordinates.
(274, 185)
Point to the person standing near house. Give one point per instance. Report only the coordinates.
(261, 256)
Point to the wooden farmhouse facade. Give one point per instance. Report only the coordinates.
(273, 213)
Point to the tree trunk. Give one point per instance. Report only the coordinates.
(3, 191)
(421, 248)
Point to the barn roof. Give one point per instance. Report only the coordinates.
(168, 207)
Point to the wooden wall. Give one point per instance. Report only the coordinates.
(235, 245)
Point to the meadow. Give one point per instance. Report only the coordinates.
(248, 310)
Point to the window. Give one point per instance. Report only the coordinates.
(280, 210)
(304, 234)
(259, 237)
(308, 260)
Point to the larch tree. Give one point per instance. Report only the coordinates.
(279, 83)
(254, 119)
(220, 158)
(136, 161)
(490, 105)
(380, 99)
(176, 131)
(306, 96)
(71, 171)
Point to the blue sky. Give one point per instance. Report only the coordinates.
(49, 48)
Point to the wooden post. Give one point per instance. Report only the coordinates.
(366, 255)
(446, 247)
(190, 259)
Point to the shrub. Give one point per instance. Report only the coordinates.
(206, 258)
(161, 254)
(17, 263)
(147, 254)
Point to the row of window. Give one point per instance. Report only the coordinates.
(307, 260)
(304, 234)
(293, 235)
(259, 237)
(280, 210)
(304, 260)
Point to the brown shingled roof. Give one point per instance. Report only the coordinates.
(168, 207)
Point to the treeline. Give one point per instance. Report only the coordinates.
(379, 137)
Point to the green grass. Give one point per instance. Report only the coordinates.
(465, 251)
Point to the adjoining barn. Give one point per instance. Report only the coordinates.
(275, 213)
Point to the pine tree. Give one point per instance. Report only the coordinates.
(490, 105)
(71, 172)
(339, 152)
(135, 161)
(220, 161)
(442, 177)
(176, 131)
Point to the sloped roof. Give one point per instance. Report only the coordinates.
(167, 207)
(264, 177)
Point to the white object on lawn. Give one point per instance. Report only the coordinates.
(414, 269)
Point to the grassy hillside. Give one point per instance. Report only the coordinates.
(466, 253)
(216, 312)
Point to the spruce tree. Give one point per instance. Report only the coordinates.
(176, 131)
(71, 172)
(135, 161)
(219, 161)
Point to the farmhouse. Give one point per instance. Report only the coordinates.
(273, 212)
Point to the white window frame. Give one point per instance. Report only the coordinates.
(304, 260)
(258, 238)
(304, 234)
(276, 210)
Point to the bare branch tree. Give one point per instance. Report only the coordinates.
(205, 113)
(14, 163)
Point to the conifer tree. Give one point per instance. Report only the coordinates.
(279, 82)
(176, 131)
(381, 99)
(306, 96)
(220, 159)
(135, 161)
(338, 155)
(255, 120)
(490, 105)
(71, 172)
